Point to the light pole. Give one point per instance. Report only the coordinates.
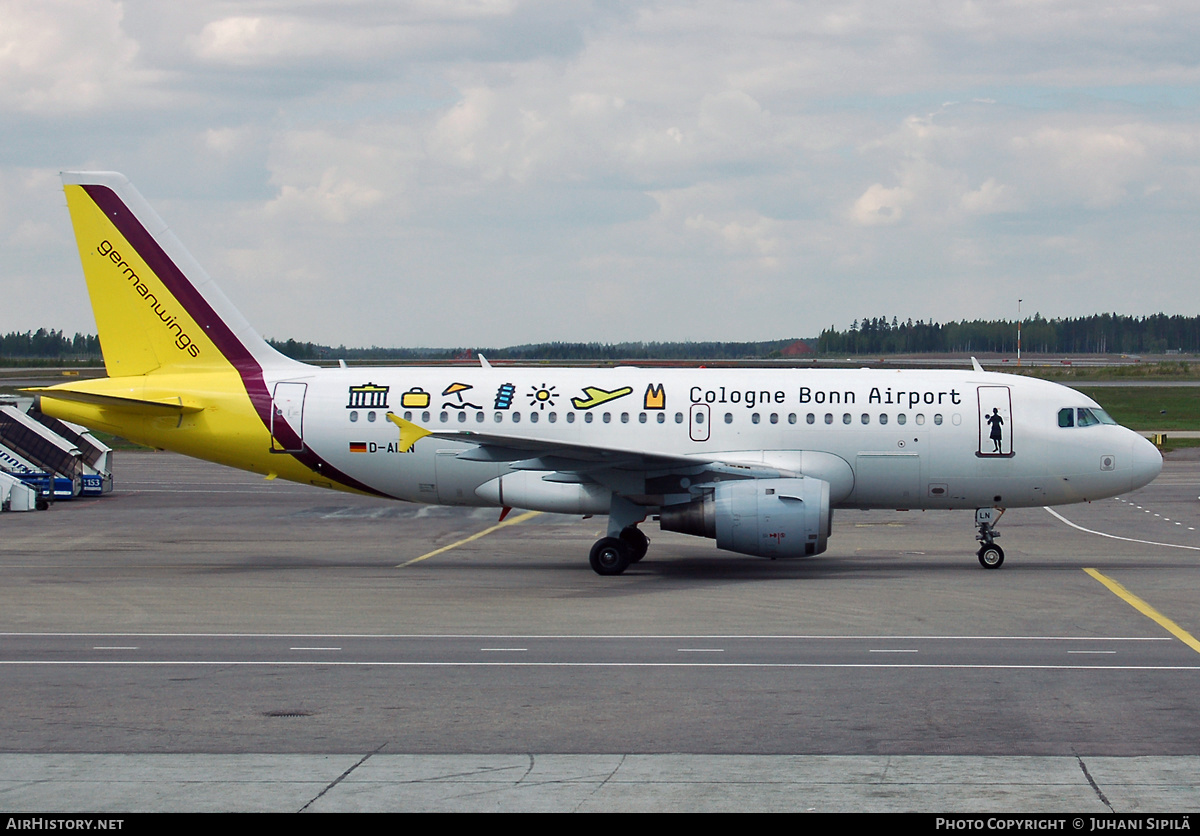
(1018, 332)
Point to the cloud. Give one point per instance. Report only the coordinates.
(579, 170)
(70, 56)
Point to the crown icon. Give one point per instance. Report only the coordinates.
(656, 398)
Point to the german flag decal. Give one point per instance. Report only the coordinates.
(358, 446)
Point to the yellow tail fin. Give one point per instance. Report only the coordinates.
(156, 308)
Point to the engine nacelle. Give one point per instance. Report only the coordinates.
(762, 517)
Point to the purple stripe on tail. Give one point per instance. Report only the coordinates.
(239, 356)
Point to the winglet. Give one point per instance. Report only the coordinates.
(410, 433)
(975, 365)
(483, 361)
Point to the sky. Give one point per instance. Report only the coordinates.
(498, 172)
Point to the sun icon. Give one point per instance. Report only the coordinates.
(542, 396)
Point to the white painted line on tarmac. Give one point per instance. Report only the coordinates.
(1061, 518)
(164, 663)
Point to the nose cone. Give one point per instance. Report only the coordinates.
(1147, 463)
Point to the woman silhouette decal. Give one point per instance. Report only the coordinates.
(996, 435)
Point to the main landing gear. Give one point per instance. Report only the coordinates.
(990, 555)
(612, 555)
(625, 544)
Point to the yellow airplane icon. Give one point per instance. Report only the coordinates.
(595, 396)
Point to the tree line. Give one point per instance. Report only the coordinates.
(47, 344)
(1096, 334)
(550, 351)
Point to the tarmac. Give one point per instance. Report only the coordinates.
(203, 640)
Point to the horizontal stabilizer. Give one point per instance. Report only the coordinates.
(166, 406)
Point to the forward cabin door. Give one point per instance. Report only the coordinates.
(996, 430)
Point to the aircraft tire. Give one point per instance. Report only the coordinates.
(609, 556)
(991, 557)
(637, 543)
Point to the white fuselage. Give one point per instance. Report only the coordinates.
(883, 439)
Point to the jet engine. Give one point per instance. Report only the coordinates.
(762, 517)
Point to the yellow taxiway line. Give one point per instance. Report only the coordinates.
(1146, 610)
(519, 518)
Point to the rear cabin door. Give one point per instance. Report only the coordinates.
(287, 417)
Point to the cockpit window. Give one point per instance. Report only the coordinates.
(1083, 417)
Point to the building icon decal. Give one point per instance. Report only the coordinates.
(368, 396)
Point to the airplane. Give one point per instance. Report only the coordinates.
(755, 459)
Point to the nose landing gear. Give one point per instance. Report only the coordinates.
(990, 555)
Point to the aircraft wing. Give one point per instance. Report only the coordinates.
(531, 453)
(573, 459)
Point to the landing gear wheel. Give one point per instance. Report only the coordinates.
(610, 556)
(636, 542)
(991, 557)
